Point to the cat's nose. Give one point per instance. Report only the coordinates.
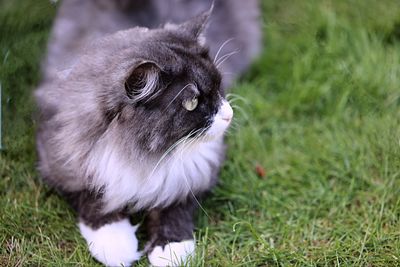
(226, 111)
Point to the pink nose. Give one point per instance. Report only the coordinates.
(226, 111)
(228, 119)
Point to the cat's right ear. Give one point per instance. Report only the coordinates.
(141, 84)
(195, 27)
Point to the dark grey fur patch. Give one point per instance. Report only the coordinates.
(88, 205)
(236, 19)
(172, 224)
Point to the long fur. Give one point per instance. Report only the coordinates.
(114, 136)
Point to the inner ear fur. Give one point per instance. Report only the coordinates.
(142, 82)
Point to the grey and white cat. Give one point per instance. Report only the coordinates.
(132, 116)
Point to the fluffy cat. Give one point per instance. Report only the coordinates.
(134, 121)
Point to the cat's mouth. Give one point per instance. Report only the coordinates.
(220, 122)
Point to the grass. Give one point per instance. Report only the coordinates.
(319, 111)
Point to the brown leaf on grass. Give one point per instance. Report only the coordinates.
(260, 171)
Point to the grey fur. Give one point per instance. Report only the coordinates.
(122, 92)
(80, 22)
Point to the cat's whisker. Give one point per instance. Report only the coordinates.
(236, 96)
(198, 138)
(236, 124)
(178, 94)
(221, 47)
(225, 57)
(230, 98)
(163, 157)
(229, 133)
(241, 110)
(233, 100)
(236, 107)
(227, 73)
(233, 127)
(171, 148)
(232, 130)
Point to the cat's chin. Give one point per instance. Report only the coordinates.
(210, 137)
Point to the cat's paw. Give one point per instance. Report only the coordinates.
(173, 254)
(113, 244)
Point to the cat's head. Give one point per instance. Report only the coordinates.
(161, 86)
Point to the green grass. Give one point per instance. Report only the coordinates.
(319, 111)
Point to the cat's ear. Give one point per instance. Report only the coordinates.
(195, 27)
(142, 82)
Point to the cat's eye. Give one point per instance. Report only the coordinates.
(190, 104)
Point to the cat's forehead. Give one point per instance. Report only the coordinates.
(182, 56)
(165, 44)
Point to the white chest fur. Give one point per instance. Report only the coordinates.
(187, 170)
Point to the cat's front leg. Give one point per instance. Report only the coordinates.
(171, 234)
(110, 237)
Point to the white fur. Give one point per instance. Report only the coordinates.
(202, 39)
(150, 85)
(113, 244)
(158, 183)
(221, 120)
(146, 184)
(173, 254)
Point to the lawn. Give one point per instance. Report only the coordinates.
(313, 170)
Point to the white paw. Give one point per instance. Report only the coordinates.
(113, 244)
(173, 254)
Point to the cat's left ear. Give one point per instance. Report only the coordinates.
(195, 27)
(143, 81)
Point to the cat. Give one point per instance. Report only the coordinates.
(132, 117)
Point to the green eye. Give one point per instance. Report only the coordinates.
(190, 104)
